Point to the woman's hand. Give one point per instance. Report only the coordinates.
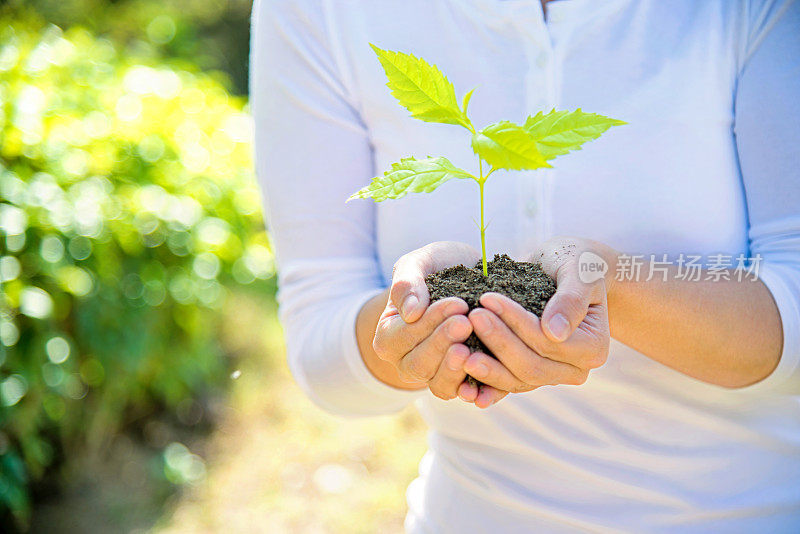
(425, 343)
(571, 338)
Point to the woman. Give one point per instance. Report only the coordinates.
(673, 403)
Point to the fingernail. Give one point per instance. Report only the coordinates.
(454, 331)
(559, 327)
(409, 304)
(454, 362)
(491, 303)
(453, 308)
(479, 371)
(482, 322)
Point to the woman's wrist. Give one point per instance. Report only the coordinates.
(610, 257)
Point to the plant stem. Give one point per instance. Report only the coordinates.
(481, 183)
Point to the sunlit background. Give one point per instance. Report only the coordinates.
(143, 385)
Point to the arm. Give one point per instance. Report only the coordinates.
(730, 333)
(312, 151)
(724, 332)
(735, 333)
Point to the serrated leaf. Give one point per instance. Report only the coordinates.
(505, 145)
(411, 175)
(421, 88)
(560, 132)
(465, 100)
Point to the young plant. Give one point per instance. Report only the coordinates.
(423, 90)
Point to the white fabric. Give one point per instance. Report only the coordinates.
(707, 164)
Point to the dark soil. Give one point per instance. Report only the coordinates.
(523, 282)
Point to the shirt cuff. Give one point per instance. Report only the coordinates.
(784, 284)
(342, 384)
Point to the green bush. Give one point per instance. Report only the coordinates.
(212, 34)
(128, 211)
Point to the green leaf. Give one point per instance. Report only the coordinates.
(560, 132)
(505, 145)
(411, 176)
(465, 100)
(421, 88)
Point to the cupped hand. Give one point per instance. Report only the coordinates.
(425, 342)
(570, 339)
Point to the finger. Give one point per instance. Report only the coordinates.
(394, 338)
(589, 345)
(451, 372)
(520, 321)
(493, 373)
(587, 348)
(518, 358)
(409, 293)
(488, 396)
(468, 392)
(567, 308)
(423, 361)
(526, 326)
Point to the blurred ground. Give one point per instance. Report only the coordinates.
(274, 462)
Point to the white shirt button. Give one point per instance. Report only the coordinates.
(530, 208)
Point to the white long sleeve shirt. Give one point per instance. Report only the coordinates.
(708, 164)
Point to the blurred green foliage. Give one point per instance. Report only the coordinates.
(128, 212)
(211, 34)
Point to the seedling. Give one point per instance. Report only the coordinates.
(423, 90)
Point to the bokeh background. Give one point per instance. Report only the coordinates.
(143, 386)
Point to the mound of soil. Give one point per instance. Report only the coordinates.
(523, 282)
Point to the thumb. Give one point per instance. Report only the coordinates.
(409, 293)
(568, 307)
